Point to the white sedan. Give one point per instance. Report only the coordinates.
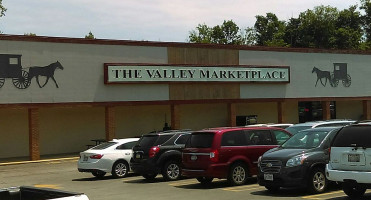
(109, 157)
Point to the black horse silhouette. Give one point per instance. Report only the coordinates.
(322, 74)
(47, 71)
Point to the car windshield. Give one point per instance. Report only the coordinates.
(104, 145)
(200, 140)
(306, 139)
(295, 129)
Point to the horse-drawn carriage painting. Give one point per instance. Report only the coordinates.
(11, 67)
(340, 73)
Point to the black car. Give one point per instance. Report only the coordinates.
(299, 162)
(160, 152)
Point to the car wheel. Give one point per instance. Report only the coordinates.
(120, 169)
(317, 181)
(171, 170)
(238, 174)
(354, 190)
(98, 174)
(205, 180)
(150, 176)
(272, 189)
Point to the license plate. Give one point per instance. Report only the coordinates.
(193, 157)
(353, 158)
(137, 156)
(86, 158)
(268, 177)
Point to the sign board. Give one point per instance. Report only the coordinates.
(127, 73)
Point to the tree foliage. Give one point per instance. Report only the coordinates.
(90, 35)
(320, 27)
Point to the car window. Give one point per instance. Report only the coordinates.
(104, 145)
(259, 137)
(182, 139)
(200, 140)
(147, 140)
(281, 136)
(128, 145)
(353, 136)
(162, 139)
(233, 138)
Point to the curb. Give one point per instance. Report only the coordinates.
(38, 161)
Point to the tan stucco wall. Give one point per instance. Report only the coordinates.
(14, 133)
(66, 130)
(197, 116)
(349, 110)
(137, 120)
(266, 112)
(291, 112)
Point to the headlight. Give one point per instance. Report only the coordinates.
(259, 160)
(296, 160)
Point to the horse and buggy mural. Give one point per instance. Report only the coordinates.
(340, 73)
(11, 68)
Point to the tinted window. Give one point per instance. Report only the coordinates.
(147, 140)
(233, 138)
(281, 136)
(305, 139)
(259, 137)
(128, 145)
(104, 145)
(200, 140)
(162, 139)
(359, 136)
(182, 139)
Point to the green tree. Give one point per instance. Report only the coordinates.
(348, 33)
(29, 34)
(2, 9)
(227, 33)
(90, 36)
(202, 34)
(269, 30)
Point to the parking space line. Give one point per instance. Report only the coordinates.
(48, 186)
(318, 196)
(180, 183)
(133, 179)
(243, 188)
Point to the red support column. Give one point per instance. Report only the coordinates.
(175, 116)
(366, 110)
(280, 112)
(110, 123)
(231, 114)
(326, 114)
(34, 133)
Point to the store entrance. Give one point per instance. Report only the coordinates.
(312, 111)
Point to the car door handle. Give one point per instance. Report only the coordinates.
(127, 154)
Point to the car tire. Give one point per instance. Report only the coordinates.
(272, 189)
(150, 176)
(171, 170)
(120, 169)
(99, 174)
(317, 182)
(205, 180)
(354, 191)
(238, 174)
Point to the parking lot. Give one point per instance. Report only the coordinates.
(63, 175)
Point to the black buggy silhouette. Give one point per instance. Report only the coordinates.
(10, 67)
(340, 73)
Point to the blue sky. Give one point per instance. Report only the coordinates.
(152, 20)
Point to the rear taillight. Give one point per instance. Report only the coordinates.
(153, 151)
(214, 155)
(96, 156)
